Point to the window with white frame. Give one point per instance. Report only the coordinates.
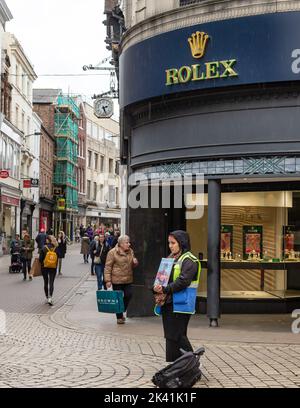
(102, 164)
(96, 161)
(111, 166)
(95, 191)
(89, 189)
(89, 128)
(89, 159)
(101, 193)
(112, 194)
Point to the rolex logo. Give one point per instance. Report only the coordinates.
(198, 42)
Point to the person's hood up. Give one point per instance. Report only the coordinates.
(182, 237)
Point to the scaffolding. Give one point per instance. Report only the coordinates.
(67, 115)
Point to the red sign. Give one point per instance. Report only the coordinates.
(4, 174)
(10, 200)
(26, 183)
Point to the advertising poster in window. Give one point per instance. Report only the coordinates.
(288, 234)
(226, 239)
(252, 241)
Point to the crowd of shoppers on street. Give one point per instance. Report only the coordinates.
(113, 261)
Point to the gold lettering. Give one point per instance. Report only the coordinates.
(172, 76)
(184, 74)
(212, 70)
(196, 73)
(229, 71)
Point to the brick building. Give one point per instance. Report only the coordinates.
(45, 110)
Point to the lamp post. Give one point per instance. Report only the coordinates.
(33, 134)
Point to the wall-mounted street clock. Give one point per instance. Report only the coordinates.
(104, 107)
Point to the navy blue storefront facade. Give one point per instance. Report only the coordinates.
(220, 99)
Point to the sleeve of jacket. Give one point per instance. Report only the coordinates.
(108, 266)
(42, 256)
(188, 273)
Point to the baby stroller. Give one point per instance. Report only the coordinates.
(16, 263)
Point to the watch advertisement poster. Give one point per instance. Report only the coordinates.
(288, 233)
(252, 240)
(226, 239)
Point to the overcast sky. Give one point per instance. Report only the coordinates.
(59, 37)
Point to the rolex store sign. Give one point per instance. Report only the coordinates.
(198, 42)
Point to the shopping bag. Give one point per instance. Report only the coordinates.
(36, 269)
(110, 301)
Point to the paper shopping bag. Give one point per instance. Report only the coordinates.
(36, 269)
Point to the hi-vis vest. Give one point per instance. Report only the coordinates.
(185, 300)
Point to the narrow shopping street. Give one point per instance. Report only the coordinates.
(72, 345)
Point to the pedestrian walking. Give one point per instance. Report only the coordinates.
(77, 235)
(115, 239)
(176, 302)
(93, 246)
(85, 248)
(41, 239)
(27, 248)
(100, 255)
(118, 271)
(49, 260)
(90, 232)
(61, 249)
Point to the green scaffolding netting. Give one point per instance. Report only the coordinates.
(67, 101)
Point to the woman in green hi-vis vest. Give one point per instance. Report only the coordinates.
(176, 302)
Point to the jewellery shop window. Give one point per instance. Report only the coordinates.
(259, 244)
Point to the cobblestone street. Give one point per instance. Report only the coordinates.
(71, 345)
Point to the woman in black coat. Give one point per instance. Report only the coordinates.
(61, 249)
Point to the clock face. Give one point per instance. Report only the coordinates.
(104, 108)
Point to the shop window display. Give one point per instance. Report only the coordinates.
(259, 244)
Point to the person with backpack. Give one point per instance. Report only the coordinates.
(176, 302)
(49, 260)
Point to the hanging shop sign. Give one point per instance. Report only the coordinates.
(61, 204)
(27, 183)
(57, 191)
(30, 183)
(34, 182)
(240, 51)
(4, 174)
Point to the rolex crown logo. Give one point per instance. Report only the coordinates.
(198, 42)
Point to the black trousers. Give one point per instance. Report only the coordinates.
(49, 277)
(26, 266)
(93, 265)
(175, 330)
(127, 289)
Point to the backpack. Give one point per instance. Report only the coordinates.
(182, 373)
(50, 260)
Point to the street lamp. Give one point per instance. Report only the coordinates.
(34, 134)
